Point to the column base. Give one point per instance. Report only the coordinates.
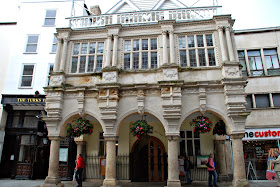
(173, 183)
(240, 183)
(52, 182)
(110, 182)
(223, 178)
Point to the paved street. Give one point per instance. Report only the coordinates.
(37, 183)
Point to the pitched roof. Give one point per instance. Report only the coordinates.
(144, 5)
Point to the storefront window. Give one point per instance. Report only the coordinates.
(258, 153)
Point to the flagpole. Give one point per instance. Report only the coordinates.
(71, 14)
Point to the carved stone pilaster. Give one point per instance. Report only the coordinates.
(171, 95)
(231, 70)
(56, 79)
(81, 100)
(202, 98)
(141, 101)
(109, 76)
(108, 103)
(234, 92)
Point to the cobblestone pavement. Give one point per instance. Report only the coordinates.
(95, 183)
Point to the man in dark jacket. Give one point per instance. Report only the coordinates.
(187, 167)
(79, 170)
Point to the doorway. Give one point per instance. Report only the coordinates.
(148, 158)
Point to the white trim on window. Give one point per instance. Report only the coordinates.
(32, 76)
(30, 43)
(50, 69)
(54, 45)
(51, 19)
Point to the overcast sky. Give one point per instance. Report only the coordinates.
(247, 13)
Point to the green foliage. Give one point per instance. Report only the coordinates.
(79, 127)
(202, 124)
(141, 129)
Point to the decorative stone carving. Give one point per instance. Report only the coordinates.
(81, 99)
(170, 74)
(171, 102)
(56, 80)
(141, 101)
(202, 99)
(110, 76)
(231, 70)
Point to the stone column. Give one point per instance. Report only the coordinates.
(229, 45)
(115, 50)
(64, 53)
(221, 159)
(110, 174)
(80, 145)
(57, 57)
(239, 175)
(164, 46)
(173, 166)
(172, 47)
(108, 54)
(53, 179)
(222, 44)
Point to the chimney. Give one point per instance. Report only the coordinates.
(95, 10)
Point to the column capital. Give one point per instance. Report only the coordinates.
(65, 39)
(55, 138)
(171, 31)
(109, 36)
(237, 136)
(172, 137)
(110, 138)
(220, 27)
(116, 35)
(164, 32)
(59, 39)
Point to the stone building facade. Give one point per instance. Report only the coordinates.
(166, 66)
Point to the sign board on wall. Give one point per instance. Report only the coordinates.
(262, 134)
(63, 154)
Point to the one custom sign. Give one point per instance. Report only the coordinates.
(262, 134)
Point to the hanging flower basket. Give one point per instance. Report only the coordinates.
(79, 127)
(202, 124)
(220, 128)
(141, 129)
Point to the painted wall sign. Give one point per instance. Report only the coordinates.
(31, 100)
(262, 134)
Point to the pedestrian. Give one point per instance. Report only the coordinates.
(79, 170)
(187, 167)
(212, 171)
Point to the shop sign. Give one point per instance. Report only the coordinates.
(31, 100)
(262, 134)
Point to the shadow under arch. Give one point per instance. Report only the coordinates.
(67, 119)
(126, 115)
(218, 113)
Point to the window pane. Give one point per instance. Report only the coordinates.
(275, 62)
(100, 48)
(262, 100)
(135, 61)
(249, 103)
(182, 42)
(209, 40)
(196, 135)
(144, 60)
(32, 39)
(190, 147)
(145, 44)
(90, 63)
(182, 148)
(126, 61)
(197, 147)
(74, 64)
(153, 60)
(28, 69)
(202, 61)
(183, 58)
(26, 81)
(199, 39)
(84, 48)
(51, 13)
(31, 48)
(191, 41)
(92, 48)
(153, 44)
(253, 53)
(49, 21)
(51, 68)
(192, 58)
(211, 56)
(82, 64)
(99, 63)
(54, 48)
(135, 45)
(268, 62)
(76, 49)
(189, 134)
(258, 63)
(182, 134)
(127, 45)
(276, 99)
(101, 148)
(269, 52)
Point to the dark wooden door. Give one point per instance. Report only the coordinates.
(156, 160)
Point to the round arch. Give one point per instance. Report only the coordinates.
(124, 116)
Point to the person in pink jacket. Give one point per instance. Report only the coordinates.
(212, 171)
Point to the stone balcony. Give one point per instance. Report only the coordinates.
(145, 17)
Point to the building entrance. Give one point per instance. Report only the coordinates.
(148, 160)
